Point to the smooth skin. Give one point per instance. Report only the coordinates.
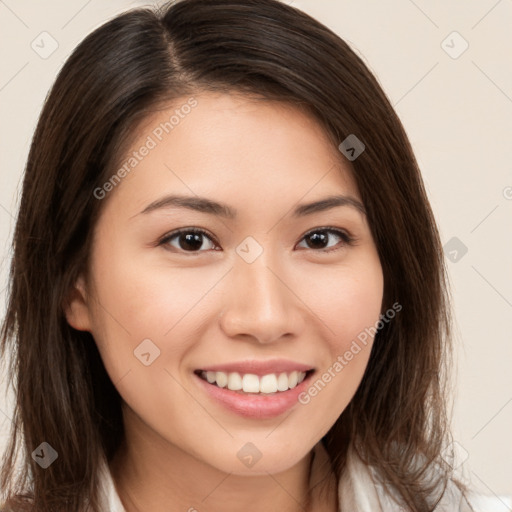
(298, 300)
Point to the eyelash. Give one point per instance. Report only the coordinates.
(346, 238)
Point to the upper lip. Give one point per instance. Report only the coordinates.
(259, 368)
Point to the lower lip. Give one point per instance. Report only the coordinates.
(254, 405)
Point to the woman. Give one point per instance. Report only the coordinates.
(227, 289)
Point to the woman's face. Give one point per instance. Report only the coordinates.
(267, 290)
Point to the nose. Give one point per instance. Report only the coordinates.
(260, 303)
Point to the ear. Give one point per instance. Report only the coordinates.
(77, 307)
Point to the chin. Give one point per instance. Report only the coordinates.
(249, 460)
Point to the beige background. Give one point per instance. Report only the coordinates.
(457, 110)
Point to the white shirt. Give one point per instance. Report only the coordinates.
(358, 490)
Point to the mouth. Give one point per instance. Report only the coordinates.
(256, 390)
(252, 383)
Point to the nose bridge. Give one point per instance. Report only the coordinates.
(259, 303)
(263, 289)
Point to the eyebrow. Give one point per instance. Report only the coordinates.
(205, 205)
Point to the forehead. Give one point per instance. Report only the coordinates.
(219, 143)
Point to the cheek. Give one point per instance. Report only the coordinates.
(348, 305)
(346, 299)
(145, 327)
(141, 299)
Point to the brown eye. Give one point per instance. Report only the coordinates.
(189, 240)
(323, 239)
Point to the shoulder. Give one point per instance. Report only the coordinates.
(110, 499)
(360, 488)
(456, 497)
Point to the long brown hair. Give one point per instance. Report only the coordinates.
(121, 71)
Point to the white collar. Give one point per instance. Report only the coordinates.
(110, 501)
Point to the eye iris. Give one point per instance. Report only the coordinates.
(318, 236)
(191, 241)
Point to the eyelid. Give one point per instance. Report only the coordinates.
(179, 231)
(347, 238)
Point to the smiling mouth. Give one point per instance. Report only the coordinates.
(249, 383)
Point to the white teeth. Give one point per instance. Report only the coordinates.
(250, 383)
(222, 379)
(268, 383)
(234, 381)
(282, 382)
